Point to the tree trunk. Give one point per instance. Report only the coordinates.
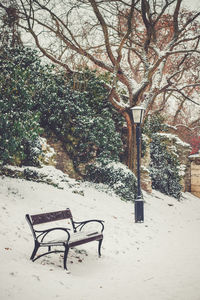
(131, 143)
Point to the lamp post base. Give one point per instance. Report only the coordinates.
(139, 211)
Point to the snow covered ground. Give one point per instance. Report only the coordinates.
(159, 259)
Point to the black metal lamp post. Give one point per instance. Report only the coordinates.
(138, 113)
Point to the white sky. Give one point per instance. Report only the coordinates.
(192, 4)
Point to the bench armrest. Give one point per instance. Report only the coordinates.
(43, 233)
(80, 225)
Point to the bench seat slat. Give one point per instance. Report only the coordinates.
(78, 238)
(74, 242)
(86, 240)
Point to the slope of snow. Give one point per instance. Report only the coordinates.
(156, 260)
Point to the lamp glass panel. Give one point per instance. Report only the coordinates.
(137, 114)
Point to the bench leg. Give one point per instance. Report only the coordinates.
(34, 251)
(99, 247)
(65, 256)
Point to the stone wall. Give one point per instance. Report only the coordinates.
(195, 174)
(62, 159)
(190, 165)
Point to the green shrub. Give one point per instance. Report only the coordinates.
(33, 150)
(75, 109)
(78, 112)
(164, 165)
(154, 123)
(164, 168)
(19, 125)
(114, 174)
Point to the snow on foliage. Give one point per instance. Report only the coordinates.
(165, 167)
(173, 137)
(116, 175)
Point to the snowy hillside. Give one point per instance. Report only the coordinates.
(156, 260)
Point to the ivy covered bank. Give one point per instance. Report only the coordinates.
(37, 101)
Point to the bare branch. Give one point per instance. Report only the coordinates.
(105, 30)
(184, 95)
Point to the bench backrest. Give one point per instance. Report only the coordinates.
(48, 217)
(52, 216)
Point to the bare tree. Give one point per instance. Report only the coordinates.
(147, 46)
(9, 20)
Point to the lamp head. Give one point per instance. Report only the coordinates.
(138, 114)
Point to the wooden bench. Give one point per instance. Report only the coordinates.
(74, 236)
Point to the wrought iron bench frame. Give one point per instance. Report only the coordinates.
(40, 235)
